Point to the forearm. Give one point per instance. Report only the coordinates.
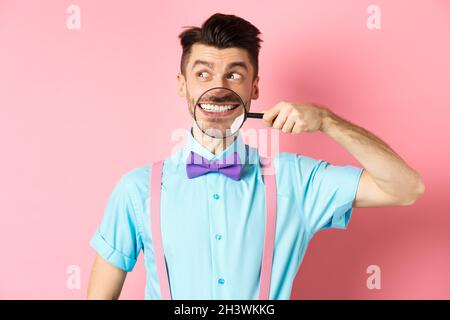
(389, 171)
(106, 281)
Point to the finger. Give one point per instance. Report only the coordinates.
(271, 114)
(298, 127)
(289, 124)
(280, 119)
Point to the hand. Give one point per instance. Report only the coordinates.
(295, 118)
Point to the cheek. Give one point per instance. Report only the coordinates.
(245, 91)
(192, 102)
(192, 97)
(196, 93)
(245, 95)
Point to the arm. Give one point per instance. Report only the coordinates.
(106, 281)
(387, 179)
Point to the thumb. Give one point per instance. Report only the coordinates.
(266, 121)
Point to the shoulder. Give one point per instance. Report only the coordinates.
(308, 167)
(297, 171)
(135, 180)
(286, 161)
(296, 158)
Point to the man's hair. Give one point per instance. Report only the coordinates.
(222, 31)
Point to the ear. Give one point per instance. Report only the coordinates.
(181, 85)
(255, 90)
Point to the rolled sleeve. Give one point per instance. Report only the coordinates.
(110, 254)
(117, 238)
(342, 212)
(328, 192)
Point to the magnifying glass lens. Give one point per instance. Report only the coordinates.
(219, 112)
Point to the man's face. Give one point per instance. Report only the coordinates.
(209, 67)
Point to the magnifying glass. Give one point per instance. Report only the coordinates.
(220, 112)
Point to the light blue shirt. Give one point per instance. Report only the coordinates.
(213, 227)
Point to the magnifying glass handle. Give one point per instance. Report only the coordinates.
(255, 115)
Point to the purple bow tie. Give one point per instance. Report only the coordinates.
(230, 166)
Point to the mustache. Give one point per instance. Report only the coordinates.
(230, 98)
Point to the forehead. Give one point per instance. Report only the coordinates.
(219, 57)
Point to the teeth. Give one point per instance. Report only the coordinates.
(216, 108)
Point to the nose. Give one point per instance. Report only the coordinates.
(220, 82)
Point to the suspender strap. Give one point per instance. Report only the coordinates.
(269, 237)
(155, 216)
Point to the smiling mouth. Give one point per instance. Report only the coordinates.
(219, 108)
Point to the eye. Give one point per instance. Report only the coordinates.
(202, 74)
(235, 76)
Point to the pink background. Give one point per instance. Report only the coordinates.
(78, 108)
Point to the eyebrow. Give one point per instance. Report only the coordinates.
(211, 65)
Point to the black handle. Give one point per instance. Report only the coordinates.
(255, 115)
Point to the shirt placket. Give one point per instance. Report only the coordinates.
(217, 232)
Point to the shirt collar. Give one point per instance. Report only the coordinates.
(237, 145)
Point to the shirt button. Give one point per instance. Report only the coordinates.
(221, 281)
(218, 236)
(216, 196)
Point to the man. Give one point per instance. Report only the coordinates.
(213, 226)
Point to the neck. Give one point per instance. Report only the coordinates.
(215, 146)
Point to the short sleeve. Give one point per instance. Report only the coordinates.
(327, 192)
(117, 238)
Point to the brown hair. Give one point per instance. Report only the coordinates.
(222, 31)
